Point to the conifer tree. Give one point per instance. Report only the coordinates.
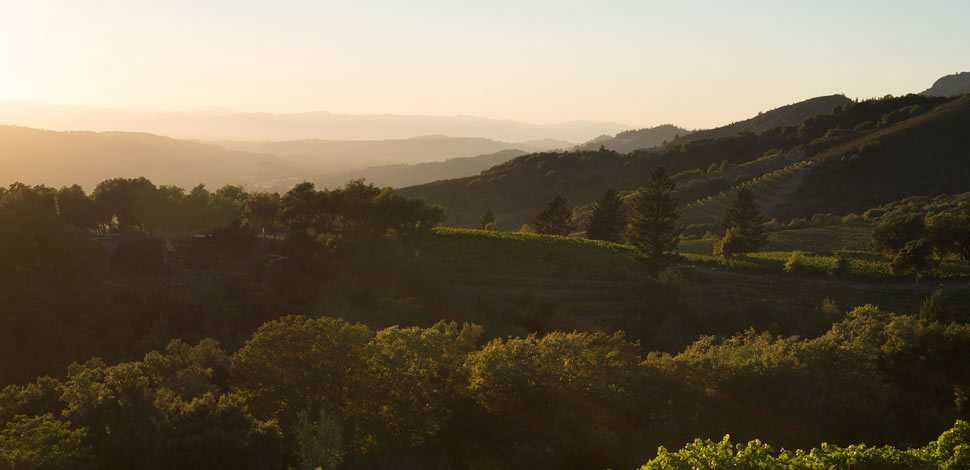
(653, 230)
(487, 222)
(937, 307)
(745, 216)
(608, 219)
(556, 218)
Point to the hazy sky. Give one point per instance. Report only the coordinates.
(696, 64)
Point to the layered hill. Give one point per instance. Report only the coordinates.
(34, 156)
(790, 115)
(346, 155)
(628, 141)
(903, 146)
(55, 158)
(397, 176)
(227, 124)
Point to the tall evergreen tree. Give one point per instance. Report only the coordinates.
(487, 222)
(608, 219)
(556, 218)
(745, 216)
(653, 230)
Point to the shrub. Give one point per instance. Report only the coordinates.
(795, 263)
(840, 268)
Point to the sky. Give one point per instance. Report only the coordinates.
(696, 64)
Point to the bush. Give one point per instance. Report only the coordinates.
(795, 263)
(840, 269)
(915, 258)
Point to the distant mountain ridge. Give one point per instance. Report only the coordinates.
(950, 85)
(351, 155)
(56, 158)
(397, 176)
(224, 124)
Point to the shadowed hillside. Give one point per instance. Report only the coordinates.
(790, 115)
(924, 155)
(518, 189)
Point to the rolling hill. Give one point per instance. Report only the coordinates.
(56, 158)
(628, 141)
(397, 176)
(950, 85)
(928, 146)
(790, 115)
(34, 156)
(347, 155)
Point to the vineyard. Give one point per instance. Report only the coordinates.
(949, 451)
(594, 280)
(769, 190)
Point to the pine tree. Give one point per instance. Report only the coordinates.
(608, 219)
(487, 222)
(937, 307)
(746, 217)
(556, 218)
(653, 230)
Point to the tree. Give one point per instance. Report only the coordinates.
(744, 215)
(892, 233)
(41, 442)
(487, 222)
(298, 207)
(950, 233)
(262, 211)
(120, 199)
(915, 258)
(320, 444)
(653, 230)
(556, 218)
(608, 218)
(76, 208)
(937, 307)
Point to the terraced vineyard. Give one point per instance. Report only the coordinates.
(852, 236)
(769, 191)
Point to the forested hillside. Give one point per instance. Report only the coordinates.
(628, 141)
(147, 324)
(709, 168)
(469, 261)
(789, 115)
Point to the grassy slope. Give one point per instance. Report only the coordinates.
(571, 283)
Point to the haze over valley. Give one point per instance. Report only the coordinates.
(545, 235)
